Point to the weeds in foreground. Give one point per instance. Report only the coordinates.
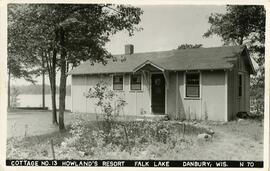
(90, 140)
(146, 140)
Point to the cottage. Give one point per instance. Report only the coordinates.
(203, 83)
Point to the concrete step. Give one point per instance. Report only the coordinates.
(150, 117)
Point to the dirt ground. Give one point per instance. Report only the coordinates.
(235, 140)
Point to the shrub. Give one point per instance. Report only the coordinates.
(126, 137)
(105, 98)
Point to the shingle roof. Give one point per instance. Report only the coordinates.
(187, 59)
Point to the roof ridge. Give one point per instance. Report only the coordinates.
(163, 51)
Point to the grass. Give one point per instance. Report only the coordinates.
(34, 147)
(231, 141)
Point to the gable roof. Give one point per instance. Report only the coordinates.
(174, 60)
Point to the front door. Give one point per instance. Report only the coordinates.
(158, 94)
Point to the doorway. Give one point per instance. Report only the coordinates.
(158, 94)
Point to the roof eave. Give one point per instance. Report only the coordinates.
(150, 63)
(249, 60)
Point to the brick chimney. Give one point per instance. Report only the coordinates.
(129, 49)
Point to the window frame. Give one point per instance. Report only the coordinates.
(199, 85)
(115, 75)
(240, 84)
(130, 78)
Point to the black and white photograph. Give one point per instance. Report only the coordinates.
(135, 85)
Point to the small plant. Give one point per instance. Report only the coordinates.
(105, 100)
(206, 116)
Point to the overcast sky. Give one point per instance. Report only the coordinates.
(164, 28)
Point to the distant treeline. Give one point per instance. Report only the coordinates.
(37, 89)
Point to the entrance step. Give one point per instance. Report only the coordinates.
(143, 117)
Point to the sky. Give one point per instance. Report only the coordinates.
(164, 28)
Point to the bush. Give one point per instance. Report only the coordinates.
(105, 98)
(129, 138)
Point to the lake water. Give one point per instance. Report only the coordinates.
(35, 100)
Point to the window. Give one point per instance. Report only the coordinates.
(118, 82)
(240, 85)
(192, 84)
(135, 82)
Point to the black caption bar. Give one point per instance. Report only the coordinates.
(136, 163)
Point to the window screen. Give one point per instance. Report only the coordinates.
(193, 85)
(135, 82)
(118, 82)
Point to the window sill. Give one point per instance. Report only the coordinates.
(192, 98)
(133, 91)
(119, 90)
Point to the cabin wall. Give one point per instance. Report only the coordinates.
(214, 89)
(135, 106)
(232, 90)
(171, 96)
(211, 105)
(239, 103)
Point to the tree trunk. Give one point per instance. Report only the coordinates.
(8, 90)
(53, 88)
(63, 79)
(43, 83)
(62, 93)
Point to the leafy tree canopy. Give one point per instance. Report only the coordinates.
(67, 34)
(87, 27)
(189, 46)
(20, 61)
(241, 24)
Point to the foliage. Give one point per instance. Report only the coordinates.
(189, 46)
(244, 25)
(246, 136)
(67, 34)
(91, 141)
(239, 25)
(21, 61)
(256, 105)
(105, 100)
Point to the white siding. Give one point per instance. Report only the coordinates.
(138, 101)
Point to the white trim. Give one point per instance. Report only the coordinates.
(166, 98)
(177, 92)
(85, 86)
(250, 62)
(226, 96)
(167, 78)
(200, 84)
(150, 90)
(123, 81)
(144, 77)
(200, 88)
(71, 93)
(142, 82)
(184, 81)
(145, 63)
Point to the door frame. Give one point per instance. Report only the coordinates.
(150, 82)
